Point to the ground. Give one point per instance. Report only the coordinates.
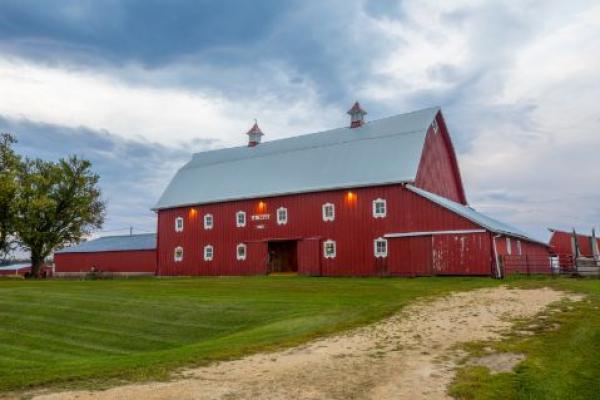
(76, 334)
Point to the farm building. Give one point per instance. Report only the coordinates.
(119, 255)
(22, 269)
(378, 198)
(565, 243)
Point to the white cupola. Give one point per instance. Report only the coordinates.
(254, 135)
(357, 116)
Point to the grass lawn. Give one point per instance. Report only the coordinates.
(563, 357)
(96, 333)
(99, 333)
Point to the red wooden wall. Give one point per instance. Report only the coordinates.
(438, 169)
(354, 231)
(560, 243)
(135, 261)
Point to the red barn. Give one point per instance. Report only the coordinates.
(23, 269)
(116, 255)
(377, 198)
(563, 243)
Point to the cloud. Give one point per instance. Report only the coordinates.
(517, 82)
(133, 174)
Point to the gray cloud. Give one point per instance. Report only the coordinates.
(133, 174)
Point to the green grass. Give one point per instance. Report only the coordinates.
(99, 333)
(563, 357)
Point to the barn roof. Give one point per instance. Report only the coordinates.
(474, 216)
(14, 267)
(383, 151)
(146, 241)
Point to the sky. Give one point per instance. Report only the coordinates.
(137, 86)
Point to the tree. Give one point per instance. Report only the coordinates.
(58, 204)
(10, 164)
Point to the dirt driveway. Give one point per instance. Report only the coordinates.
(408, 356)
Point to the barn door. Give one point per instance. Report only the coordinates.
(309, 257)
(410, 256)
(462, 254)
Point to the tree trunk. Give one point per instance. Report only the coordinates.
(36, 265)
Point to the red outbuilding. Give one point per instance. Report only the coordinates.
(375, 198)
(23, 269)
(115, 255)
(564, 243)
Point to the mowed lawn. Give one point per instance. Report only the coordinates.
(97, 333)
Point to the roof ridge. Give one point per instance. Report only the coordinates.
(367, 123)
(302, 148)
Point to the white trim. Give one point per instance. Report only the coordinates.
(508, 246)
(179, 224)
(519, 248)
(237, 219)
(427, 233)
(212, 221)
(325, 244)
(212, 252)
(282, 221)
(328, 217)
(237, 252)
(178, 258)
(376, 251)
(496, 257)
(435, 126)
(379, 214)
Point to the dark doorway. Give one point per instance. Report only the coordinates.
(283, 257)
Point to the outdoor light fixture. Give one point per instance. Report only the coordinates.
(262, 206)
(350, 197)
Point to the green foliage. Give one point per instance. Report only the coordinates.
(10, 164)
(98, 332)
(59, 203)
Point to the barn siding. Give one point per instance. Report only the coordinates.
(438, 169)
(410, 256)
(354, 231)
(462, 254)
(561, 243)
(135, 261)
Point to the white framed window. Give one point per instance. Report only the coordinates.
(380, 247)
(379, 208)
(328, 212)
(178, 254)
(179, 224)
(282, 216)
(240, 219)
(208, 221)
(508, 246)
(434, 126)
(240, 251)
(519, 248)
(208, 252)
(329, 249)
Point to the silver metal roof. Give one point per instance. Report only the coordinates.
(474, 216)
(14, 267)
(380, 152)
(146, 241)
